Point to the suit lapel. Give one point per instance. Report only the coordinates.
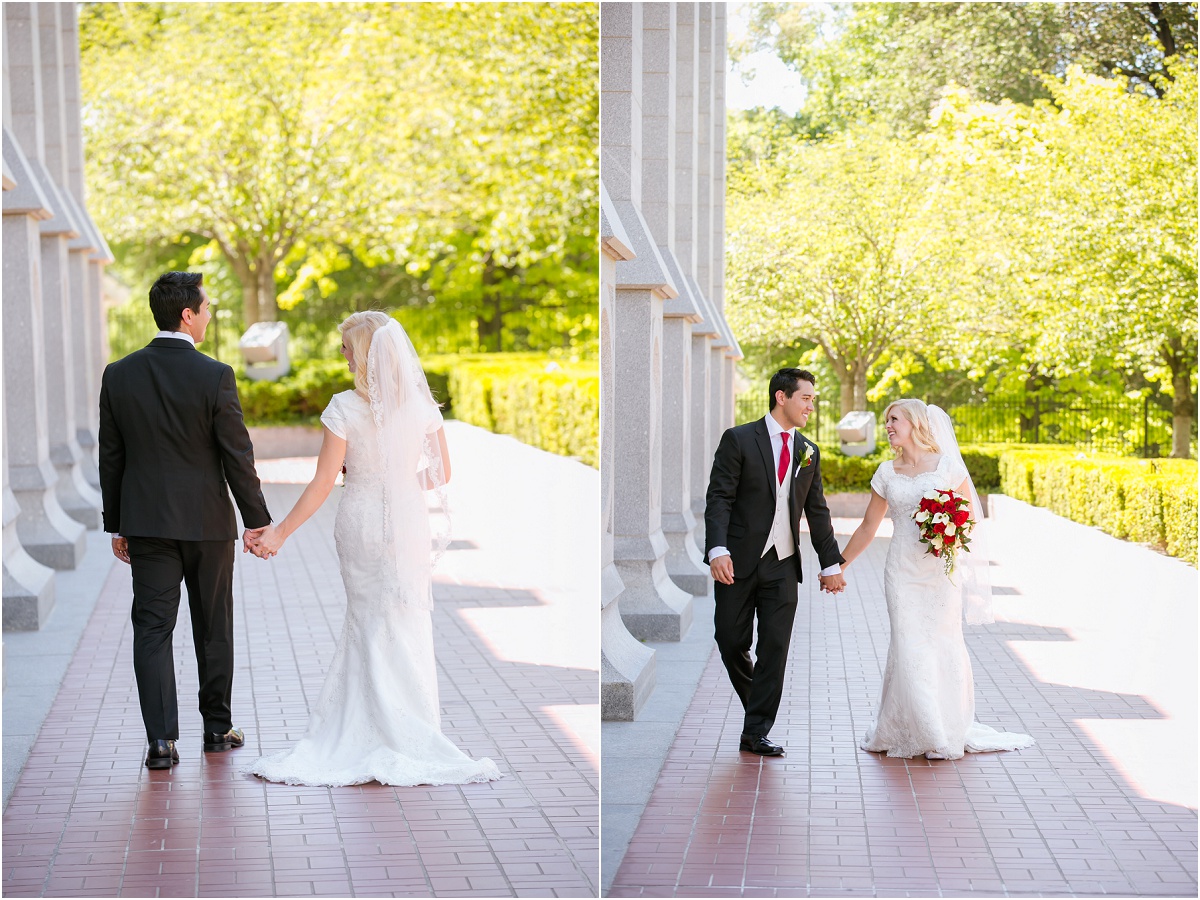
(763, 439)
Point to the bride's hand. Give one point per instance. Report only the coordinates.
(268, 543)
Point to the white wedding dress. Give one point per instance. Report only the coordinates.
(377, 717)
(927, 704)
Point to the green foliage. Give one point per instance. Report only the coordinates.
(1148, 501)
(849, 473)
(1008, 251)
(853, 473)
(541, 403)
(889, 62)
(325, 158)
(298, 398)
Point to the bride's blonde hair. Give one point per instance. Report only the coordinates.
(914, 411)
(357, 332)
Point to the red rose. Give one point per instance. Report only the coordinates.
(960, 517)
(939, 528)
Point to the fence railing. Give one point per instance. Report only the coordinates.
(1137, 427)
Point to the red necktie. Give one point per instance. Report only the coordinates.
(785, 458)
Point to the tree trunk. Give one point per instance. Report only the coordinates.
(250, 301)
(268, 311)
(847, 394)
(490, 325)
(258, 288)
(1183, 410)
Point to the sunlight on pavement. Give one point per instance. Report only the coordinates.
(582, 723)
(1154, 755)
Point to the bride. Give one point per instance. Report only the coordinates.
(377, 717)
(927, 704)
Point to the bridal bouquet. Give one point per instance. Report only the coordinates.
(944, 524)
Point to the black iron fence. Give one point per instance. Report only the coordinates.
(1131, 427)
(131, 327)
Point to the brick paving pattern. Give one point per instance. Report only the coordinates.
(88, 819)
(828, 819)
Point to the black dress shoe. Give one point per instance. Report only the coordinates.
(161, 755)
(219, 743)
(758, 743)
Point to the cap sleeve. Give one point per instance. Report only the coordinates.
(956, 472)
(433, 417)
(334, 418)
(880, 478)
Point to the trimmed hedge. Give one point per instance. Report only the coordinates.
(298, 398)
(554, 406)
(1148, 501)
(853, 473)
(549, 405)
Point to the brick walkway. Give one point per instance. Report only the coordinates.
(87, 819)
(1095, 808)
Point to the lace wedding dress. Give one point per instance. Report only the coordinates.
(927, 704)
(377, 717)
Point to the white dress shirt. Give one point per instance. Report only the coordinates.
(177, 334)
(774, 430)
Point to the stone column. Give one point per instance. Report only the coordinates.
(627, 667)
(46, 531)
(28, 585)
(653, 607)
(658, 206)
(85, 298)
(62, 240)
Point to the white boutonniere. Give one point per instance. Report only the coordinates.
(806, 455)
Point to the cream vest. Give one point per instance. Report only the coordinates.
(781, 536)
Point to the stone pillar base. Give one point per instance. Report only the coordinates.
(627, 667)
(78, 499)
(28, 587)
(47, 533)
(684, 564)
(653, 607)
(87, 462)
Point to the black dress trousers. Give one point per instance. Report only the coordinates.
(206, 567)
(771, 593)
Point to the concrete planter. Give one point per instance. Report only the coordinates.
(285, 441)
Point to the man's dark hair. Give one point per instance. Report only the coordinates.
(171, 293)
(787, 380)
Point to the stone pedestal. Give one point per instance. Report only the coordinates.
(627, 667)
(684, 563)
(48, 534)
(654, 608)
(662, 151)
(28, 585)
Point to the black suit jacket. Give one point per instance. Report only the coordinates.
(740, 504)
(171, 440)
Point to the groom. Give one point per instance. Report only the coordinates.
(172, 445)
(764, 475)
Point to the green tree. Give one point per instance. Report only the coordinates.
(307, 141)
(839, 244)
(1094, 196)
(890, 61)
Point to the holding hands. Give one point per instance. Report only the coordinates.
(834, 584)
(262, 542)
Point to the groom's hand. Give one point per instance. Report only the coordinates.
(120, 547)
(835, 584)
(249, 536)
(722, 569)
